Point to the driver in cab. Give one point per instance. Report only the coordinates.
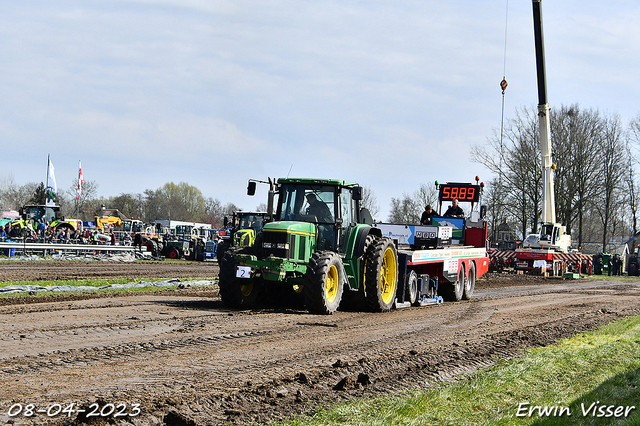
(318, 209)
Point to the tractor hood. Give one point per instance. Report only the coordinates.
(289, 240)
(301, 228)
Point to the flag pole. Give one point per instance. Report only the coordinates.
(78, 197)
(46, 181)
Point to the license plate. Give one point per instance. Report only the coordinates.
(243, 272)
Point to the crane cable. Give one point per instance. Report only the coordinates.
(503, 83)
(503, 86)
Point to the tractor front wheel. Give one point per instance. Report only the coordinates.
(323, 283)
(239, 293)
(381, 275)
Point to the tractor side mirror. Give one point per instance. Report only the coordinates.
(357, 193)
(251, 188)
(483, 212)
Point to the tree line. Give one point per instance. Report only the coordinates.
(595, 176)
(595, 182)
(173, 201)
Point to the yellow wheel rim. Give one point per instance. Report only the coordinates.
(331, 286)
(388, 275)
(298, 288)
(246, 289)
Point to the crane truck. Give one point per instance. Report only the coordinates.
(549, 249)
(322, 247)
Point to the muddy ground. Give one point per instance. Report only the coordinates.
(181, 357)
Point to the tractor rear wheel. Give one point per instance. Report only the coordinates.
(324, 283)
(239, 293)
(174, 253)
(381, 275)
(470, 283)
(453, 292)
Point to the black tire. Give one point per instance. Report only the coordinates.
(470, 282)
(238, 293)
(152, 247)
(355, 300)
(381, 275)
(197, 253)
(411, 292)
(221, 249)
(323, 283)
(174, 253)
(453, 292)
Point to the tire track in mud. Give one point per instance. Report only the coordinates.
(70, 358)
(219, 367)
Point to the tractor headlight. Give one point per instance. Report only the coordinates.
(266, 245)
(284, 246)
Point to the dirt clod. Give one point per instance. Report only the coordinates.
(185, 359)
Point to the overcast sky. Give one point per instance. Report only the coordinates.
(390, 94)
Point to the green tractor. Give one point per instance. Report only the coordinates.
(320, 247)
(246, 228)
(33, 214)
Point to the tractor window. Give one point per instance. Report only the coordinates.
(252, 221)
(307, 203)
(347, 207)
(319, 205)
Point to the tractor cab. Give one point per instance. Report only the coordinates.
(330, 206)
(38, 212)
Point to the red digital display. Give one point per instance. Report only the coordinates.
(461, 192)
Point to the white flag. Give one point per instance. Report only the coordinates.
(52, 188)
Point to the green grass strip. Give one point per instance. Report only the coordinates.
(598, 369)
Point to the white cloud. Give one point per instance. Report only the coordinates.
(392, 94)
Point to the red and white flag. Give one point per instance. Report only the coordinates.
(80, 179)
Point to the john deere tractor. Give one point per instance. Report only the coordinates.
(320, 246)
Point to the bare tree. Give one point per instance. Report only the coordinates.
(613, 163)
(15, 196)
(516, 158)
(408, 209)
(633, 146)
(83, 207)
(370, 201)
(404, 210)
(577, 137)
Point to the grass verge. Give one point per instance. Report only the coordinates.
(598, 369)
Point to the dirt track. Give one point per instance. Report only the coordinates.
(186, 359)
